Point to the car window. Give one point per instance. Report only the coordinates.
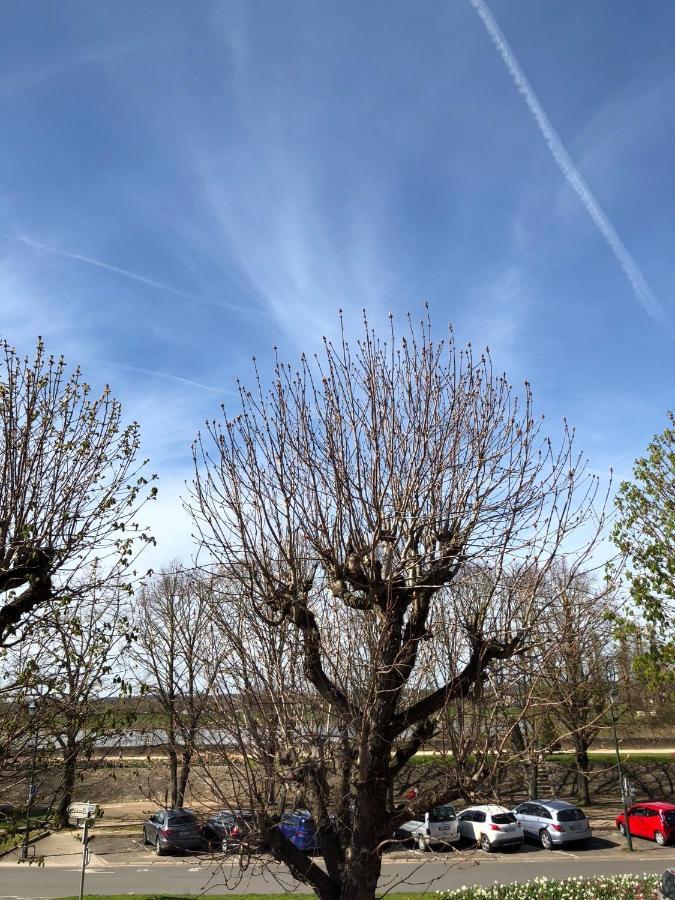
(443, 814)
(636, 811)
(466, 816)
(526, 809)
(571, 815)
(650, 812)
(182, 820)
(669, 816)
(504, 818)
(479, 816)
(543, 813)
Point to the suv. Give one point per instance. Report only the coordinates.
(172, 829)
(438, 826)
(300, 830)
(491, 827)
(553, 822)
(653, 820)
(227, 829)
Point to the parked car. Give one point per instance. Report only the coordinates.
(553, 822)
(298, 826)
(438, 826)
(172, 829)
(654, 820)
(492, 827)
(226, 829)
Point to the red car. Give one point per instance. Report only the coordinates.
(654, 821)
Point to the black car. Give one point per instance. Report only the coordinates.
(173, 829)
(226, 829)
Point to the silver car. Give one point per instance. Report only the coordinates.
(553, 822)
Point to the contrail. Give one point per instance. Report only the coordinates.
(134, 276)
(168, 375)
(630, 268)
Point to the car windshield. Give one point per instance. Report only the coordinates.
(571, 815)
(443, 814)
(669, 816)
(182, 820)
(504, 818)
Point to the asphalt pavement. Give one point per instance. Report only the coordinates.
(121, 864)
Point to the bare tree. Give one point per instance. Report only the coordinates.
(172, 634)
(346, 501)
(579, 625)
(79, 662)
(70, 484)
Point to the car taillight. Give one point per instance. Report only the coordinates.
(494, 827)
(235, 831)
(166, 831)
(557, 827)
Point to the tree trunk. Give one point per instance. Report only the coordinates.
(70, 756)
(583, 763)
(173, 771)
(533, 779)
(181, 789)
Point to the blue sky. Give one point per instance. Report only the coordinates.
(186, 185)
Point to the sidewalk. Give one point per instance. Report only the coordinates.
(61, 848)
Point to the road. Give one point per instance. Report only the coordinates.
(122, 871)
(34, 884)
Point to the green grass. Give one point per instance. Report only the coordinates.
(14, 838)
(565, 759)
(229, 896)
(609, 758)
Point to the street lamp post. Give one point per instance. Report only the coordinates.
(612, 698)
(32, 787)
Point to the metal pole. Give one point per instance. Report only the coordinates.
(31, 796)
(618, 766)
(85, 840)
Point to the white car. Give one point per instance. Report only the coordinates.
(491, 827)
(436, 827)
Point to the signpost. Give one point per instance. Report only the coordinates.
(85, 814)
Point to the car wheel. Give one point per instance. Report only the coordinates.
(622, 829)
(659, 838)
(159, 850)
(485, 843)
(422, 844)
(546, 840)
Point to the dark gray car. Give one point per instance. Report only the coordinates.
(173, 829)
(553, 822)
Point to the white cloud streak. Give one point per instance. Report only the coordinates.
(629, 266)
(126, 273)
(170, 377)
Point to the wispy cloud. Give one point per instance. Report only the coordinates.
(125, 273)
(171, 377)
(629, 266)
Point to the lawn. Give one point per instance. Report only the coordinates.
(600, 887)
(426, 896)
(606, 757)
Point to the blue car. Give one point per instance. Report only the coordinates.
(299, 828)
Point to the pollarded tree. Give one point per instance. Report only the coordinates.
(79, 656)
(578, 625)
(645, 534)
(70, 484)
(345, 500)
(173, 628)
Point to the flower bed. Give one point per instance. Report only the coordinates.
(602, 887)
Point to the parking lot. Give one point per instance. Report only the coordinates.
(128, 849)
